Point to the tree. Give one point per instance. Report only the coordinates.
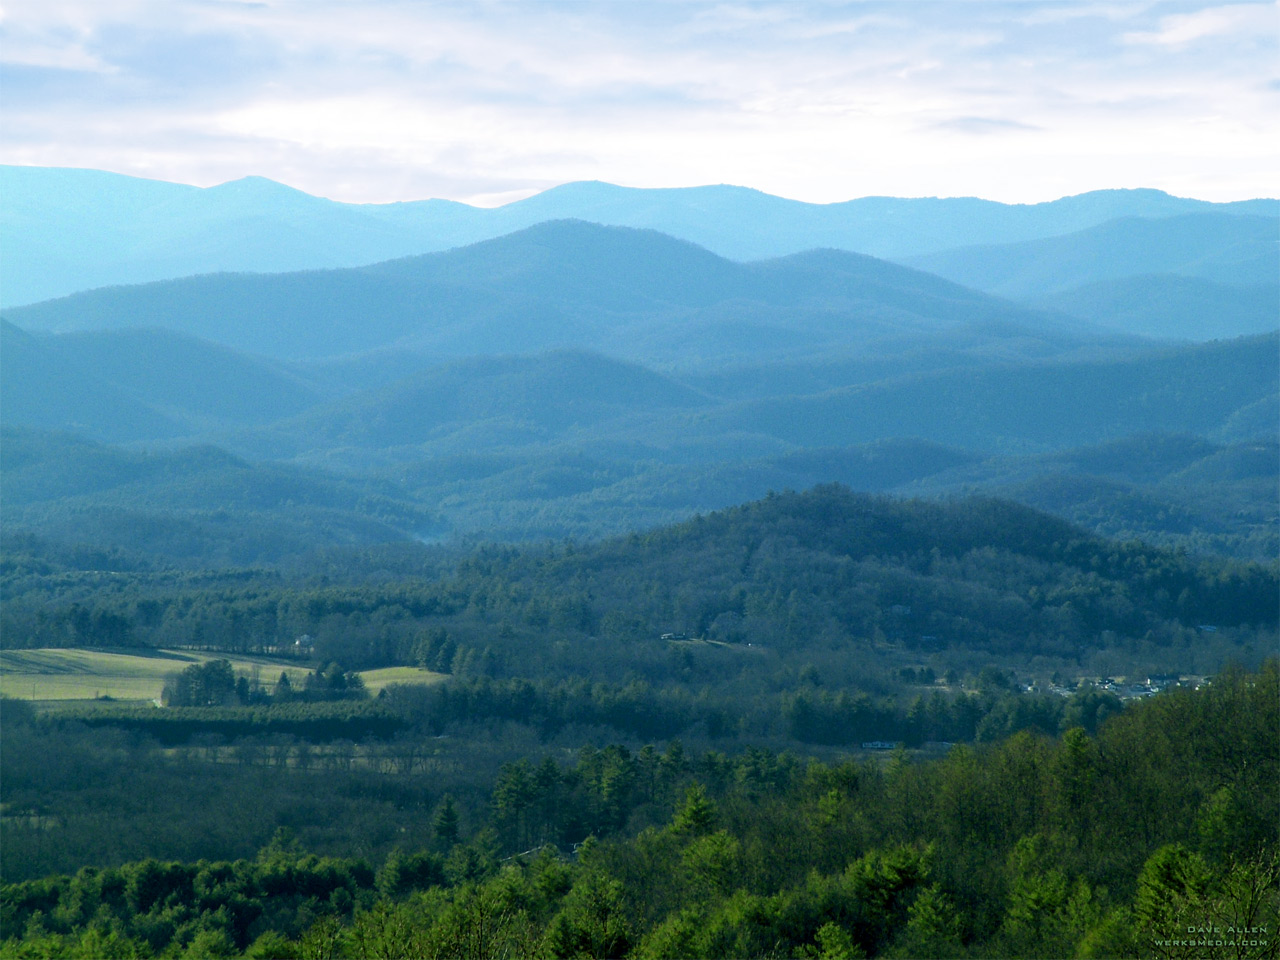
(210, 684)
(445, 824)
(697, 815)
(834, 943)
(592, 921)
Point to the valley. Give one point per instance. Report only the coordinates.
(634, 573)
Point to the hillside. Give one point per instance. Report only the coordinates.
(1208, 498)
(197, 506)
(576, 444)
(849, 582)
(41, 388)
(1161, 489)
(747, 225)
(487, 402)
(1049, 405)
(1171, 306)
(1231, 250)
(634, 294)
(141, 384)
(622, 424)
(67, 230)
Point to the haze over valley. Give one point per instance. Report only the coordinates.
(639, 480)
(574, 378)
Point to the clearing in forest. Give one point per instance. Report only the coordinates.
(52, 674)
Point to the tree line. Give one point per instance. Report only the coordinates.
(1112, 844)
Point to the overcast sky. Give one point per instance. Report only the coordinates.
(376, 100)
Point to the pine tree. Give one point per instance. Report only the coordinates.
(698, 814)
(445, 824)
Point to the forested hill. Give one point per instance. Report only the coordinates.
(1224, 388)
(636, 294)
(829, 563)
(851, 581)
(63, 230)
(818, 623)
(493, 403)
(1097, 844)
(121, 385)
(1212, 246)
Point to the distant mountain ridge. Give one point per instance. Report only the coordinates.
(1171, 305)
(64, 230)
(573, 378)
(124, 385)
(488, 402)
(1229, 250)
(197, 504)
(1036, 406)
(634, 294)
(576, 444)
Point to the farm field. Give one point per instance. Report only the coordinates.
(376, 680)
(53, 674)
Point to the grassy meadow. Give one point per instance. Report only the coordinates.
(376, 680)
(54, 674)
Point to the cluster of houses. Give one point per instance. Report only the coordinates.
(1127, 688)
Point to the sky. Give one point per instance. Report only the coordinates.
(488, 102)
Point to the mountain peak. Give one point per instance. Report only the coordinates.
(67, 230)
(258, 187)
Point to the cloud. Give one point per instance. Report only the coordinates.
(1057, 13)
(983, 126)
(1233, 20)
(53, 46)
(399, 99)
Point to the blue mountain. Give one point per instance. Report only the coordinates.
(635, 294)
(64, 230)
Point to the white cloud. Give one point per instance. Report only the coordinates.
(1041, 13)
(392, 99)
(1233, 20)
(983, 126)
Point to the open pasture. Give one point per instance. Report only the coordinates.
(376, 680)
(137, 674)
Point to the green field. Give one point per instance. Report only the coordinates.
(376, 680)
(139, 674)
(80, 674)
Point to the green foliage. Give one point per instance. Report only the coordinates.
(1172, 880)
(316, 722)
(697, 815)
(1058, 823)
(272, 945)
(713, 861)
(934, 927)
(209, 684)
(834, 943)
(445, 823)
(198, 909)
(1022, 848)
(592, 921)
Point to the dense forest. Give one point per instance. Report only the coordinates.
(1013, 701)
(574, 444)
(1153, 836)
(820, 591)
(819, 724)
(628, 573)
(249, 419)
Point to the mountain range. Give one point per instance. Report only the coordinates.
(579, 379)
(1174, 445)
(636, 294)
(1229, 250)
(65, 230)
